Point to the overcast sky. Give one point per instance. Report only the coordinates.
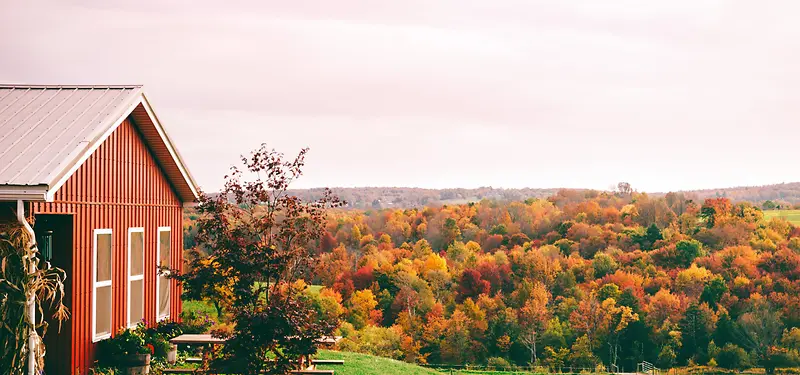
(664, 94)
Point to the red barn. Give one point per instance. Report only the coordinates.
(99, 179)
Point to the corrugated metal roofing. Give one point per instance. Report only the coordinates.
(46, 130)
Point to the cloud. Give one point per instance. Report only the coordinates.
(667, 94)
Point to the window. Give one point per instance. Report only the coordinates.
(135, 276)
(162, 282)
(102, 254)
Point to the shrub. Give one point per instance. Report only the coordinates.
(780, 357)
(733, 357)
(112, 352)
(196, 322)
(158, 337)
(498, 363)
(666, 358)
(377, 341)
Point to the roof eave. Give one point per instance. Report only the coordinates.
(27, 193)
(172, 149)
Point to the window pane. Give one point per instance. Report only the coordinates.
(137, 301)
(103, 311)
(137, 253)
(103, 257)
(163, 248)
(163, 296)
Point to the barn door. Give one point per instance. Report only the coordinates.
(54, 237)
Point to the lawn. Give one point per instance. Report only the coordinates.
(363, 364)
(792, 216)
(199, 307)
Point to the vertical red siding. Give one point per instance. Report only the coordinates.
(120, 186)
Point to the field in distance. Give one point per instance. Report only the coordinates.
(792, 216)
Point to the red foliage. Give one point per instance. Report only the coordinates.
(327, 243)
(471, 285)
(363, 278)
(344, 287)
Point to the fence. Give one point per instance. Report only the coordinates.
(566, 370)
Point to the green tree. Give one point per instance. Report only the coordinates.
(726, 330)
(713, 291)
(686, 252)
(667, 357)
(581, 354)
(697, 327)
(603, 265)
(733, 357)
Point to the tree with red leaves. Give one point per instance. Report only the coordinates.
(259, 236)
(471, 285)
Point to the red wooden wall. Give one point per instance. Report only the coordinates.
(120, 186)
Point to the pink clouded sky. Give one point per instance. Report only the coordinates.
(664, 94)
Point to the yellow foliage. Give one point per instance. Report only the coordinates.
(692, 280)
(434, 262)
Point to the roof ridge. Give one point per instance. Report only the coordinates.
(28, 86)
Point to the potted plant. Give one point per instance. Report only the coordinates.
(159, 337)
(129, 352)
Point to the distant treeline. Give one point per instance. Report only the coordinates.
(783, 195)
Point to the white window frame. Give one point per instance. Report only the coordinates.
(158, 279)
(131, 231)
(95, 284)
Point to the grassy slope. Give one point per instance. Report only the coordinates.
(792, 216)
(363, 364)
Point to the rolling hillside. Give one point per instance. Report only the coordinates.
(404, 197)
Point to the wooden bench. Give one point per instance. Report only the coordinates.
(177, 371)
(327, 361)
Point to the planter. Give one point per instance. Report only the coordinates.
(134, 364)
(172, 354)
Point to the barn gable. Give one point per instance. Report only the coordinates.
(121, 170)
(48, 132)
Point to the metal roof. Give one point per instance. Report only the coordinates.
(46, 132)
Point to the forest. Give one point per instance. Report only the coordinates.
(579, 279)
(785, 195)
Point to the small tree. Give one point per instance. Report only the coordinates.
(255, 237)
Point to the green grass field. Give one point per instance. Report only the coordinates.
(199, 307)
(792, 216)
(363, 364)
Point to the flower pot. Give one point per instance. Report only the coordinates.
(172, 354)
(135, 364)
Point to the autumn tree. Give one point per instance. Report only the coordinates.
(590, 319)
(257, 235)
(534, 316)
(472, 285)
(760, 330)
(697, 327)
